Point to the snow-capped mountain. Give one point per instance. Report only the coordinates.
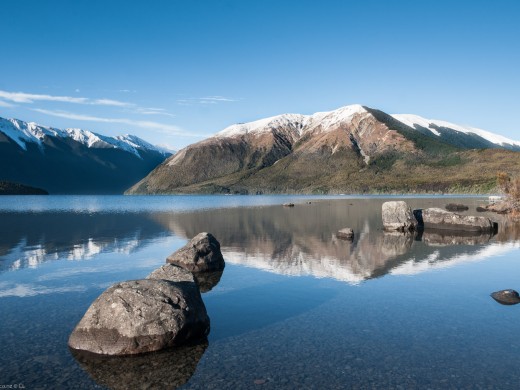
(466, 134)
(352, 149)
(329, 120)
(29, 132)
(73, 160)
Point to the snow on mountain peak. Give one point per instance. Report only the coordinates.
(329, 119)
(263, 125)
(29, 132)
(430, 124)
(298, 122)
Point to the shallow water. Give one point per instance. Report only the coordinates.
(294, 308)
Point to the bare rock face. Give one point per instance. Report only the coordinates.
(437, 218)
(345, 234)
(201, 254)
(172, 273)
(142, 316)
(397, 215)
(506, 297)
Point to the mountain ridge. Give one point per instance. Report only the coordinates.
(352, 149)
(73, 161)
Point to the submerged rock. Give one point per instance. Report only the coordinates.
(201, 254)
(345, 234)
(166, 369)
(397, 215)
(456, 207)
(141, 316)
(437, 218)
(506, 297)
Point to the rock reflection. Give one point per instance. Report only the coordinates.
(158, 370)
(446, 238)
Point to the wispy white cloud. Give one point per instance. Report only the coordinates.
(218, 99)
(28, 98)
(6, 104)
(154, 111)
(160, 127)
(110, 102)
(205, 100)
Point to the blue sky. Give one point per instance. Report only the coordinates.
(174, 72)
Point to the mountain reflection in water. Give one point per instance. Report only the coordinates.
(302, 241)
(290, 241)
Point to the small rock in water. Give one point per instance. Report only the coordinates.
(506, 297)
(397, 215)
(201, 254)
(456, 207)
(259, 381)
(288, 205)
(345, 234)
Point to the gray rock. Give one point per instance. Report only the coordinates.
(201, 254)
(141, 316)
(172, 273)
(438, 218)
(207, 280)
(397, 215)
(506, 297)
(345, 234)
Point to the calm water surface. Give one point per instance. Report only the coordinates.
(294, 308)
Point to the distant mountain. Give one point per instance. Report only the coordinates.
(351, 149)
(73, 161)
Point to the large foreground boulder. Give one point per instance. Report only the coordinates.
(437, 218)
(141, 316)
(201, 254)
(397, 215)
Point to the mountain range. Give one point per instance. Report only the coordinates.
(73, 161)
(352, 149)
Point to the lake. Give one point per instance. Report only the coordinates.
(294, 308)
